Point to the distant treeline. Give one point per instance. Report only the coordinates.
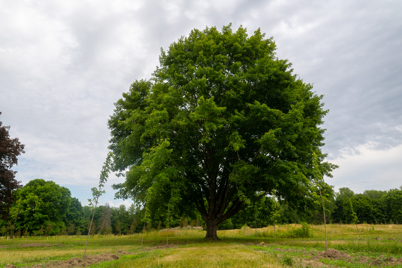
(45, 208)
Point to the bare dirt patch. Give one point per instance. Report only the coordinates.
(335, 254)
(312, 263)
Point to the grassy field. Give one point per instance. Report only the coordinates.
(378, 246)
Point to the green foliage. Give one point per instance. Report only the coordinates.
(350, 214)
(71, 229)
(287, 261)
(304, 231)
(49, 228)
(371, 207)
(222, 123)
(226, 225)
(258, 214)
(75, 214)
(393, 205)
(35, 205)
(40, 232)
(374, 194)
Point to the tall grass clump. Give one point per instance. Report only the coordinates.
(302, 232)
(287, 261)
(245, 230)
(370, 246)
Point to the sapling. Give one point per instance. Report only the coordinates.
(321, 186)
(97, 192)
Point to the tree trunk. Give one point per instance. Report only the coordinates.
(212, 228)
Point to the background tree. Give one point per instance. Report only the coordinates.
(10, 149)
(351, 215)
(118, 228)
(222, 121)
(375, 194)
(49, 228)
(40, 232)
(71, 229)
(105, 220)
(258, 214)
(38, 202)
(132, 227)
(4, 230)
(341, 197)
(75, 214)
(364, 208)
(393, 205)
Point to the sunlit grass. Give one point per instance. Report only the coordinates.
(202, 255)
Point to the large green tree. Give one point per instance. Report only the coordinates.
(40, 202)
(222, 123)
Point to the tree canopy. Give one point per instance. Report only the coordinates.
(40, 202)
(10, 149)
(222, 123)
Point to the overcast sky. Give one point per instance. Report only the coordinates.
(63, 65)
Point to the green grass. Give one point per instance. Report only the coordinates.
(192, 250)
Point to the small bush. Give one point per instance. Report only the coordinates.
(245, 230)
(288, 261)
(302, 232)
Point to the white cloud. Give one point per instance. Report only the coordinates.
(366, 168)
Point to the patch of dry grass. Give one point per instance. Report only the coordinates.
(203, 255)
